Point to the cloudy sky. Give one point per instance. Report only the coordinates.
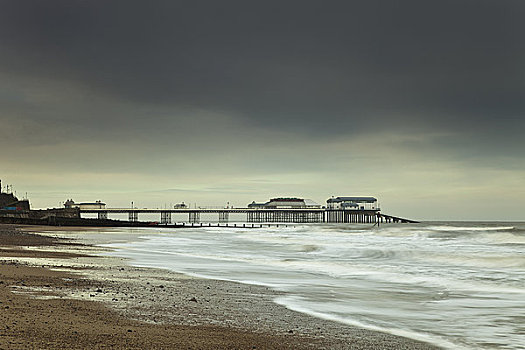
(419, 103)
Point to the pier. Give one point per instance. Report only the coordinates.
(257, 215)
(276, 211)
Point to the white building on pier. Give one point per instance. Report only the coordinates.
(352, 203)
(286, 203)
(85, 205)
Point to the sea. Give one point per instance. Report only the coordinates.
(458, 285)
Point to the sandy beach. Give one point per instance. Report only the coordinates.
(57, 292)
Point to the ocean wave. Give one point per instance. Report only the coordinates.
(482, 260)
(506, 238)
(398, 276)
(295, 303)
(309, 248)
(470, 228)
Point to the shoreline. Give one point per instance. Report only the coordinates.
(163, 303)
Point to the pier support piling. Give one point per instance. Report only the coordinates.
(194, 216)
(224, 216)
(165, 217)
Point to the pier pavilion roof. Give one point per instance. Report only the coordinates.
(352, 199)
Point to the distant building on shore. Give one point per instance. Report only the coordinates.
(352, 203)
(85, 205)
(8, 201)
(286, 203)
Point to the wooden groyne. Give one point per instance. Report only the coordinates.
(83, 222)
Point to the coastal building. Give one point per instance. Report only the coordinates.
(254, 205)
(85, 205)
(18, 211)
(286, 209)
(286, 203)
(8, 201)
(352, 203)
(352, 210)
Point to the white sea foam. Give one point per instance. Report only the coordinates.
(296, 304)
(449, 284)
(470, 228)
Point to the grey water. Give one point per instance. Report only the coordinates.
(456, 285)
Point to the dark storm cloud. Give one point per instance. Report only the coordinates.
(323, 68)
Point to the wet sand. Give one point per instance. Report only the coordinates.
(56, 293)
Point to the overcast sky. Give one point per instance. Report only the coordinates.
(419, 103)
